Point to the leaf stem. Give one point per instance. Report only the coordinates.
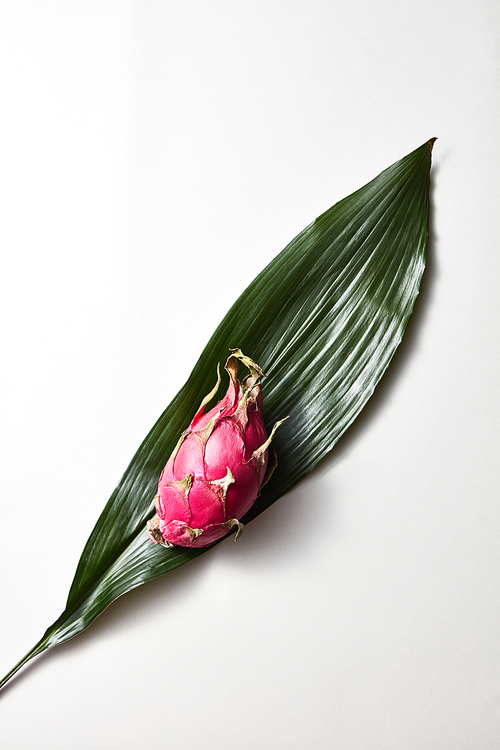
(37, 649)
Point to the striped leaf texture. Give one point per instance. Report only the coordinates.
(324, 320)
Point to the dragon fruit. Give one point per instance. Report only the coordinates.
(218, 466)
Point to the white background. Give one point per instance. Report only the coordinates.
(155, 156)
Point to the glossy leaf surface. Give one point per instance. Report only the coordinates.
(323, 320)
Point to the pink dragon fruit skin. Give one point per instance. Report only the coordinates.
(217, 468)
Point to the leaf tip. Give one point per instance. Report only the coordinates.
(431, 142)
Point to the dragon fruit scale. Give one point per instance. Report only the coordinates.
(218, 466)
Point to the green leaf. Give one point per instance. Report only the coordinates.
(323, 320)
